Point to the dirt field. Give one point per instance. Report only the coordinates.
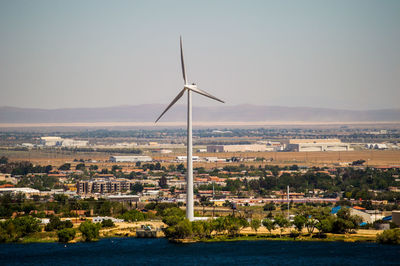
(372, 158)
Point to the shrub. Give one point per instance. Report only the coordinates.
(12, 230)
(294, 234)
(65, 235)
(90, 231)
(269, 206)
(133, 216)
(202, 228)
(107, 223)
(182, 229)
(56, 224)
(391, 236)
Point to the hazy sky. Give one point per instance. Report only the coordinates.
(336, 54)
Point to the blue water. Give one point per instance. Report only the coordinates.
(134, 251)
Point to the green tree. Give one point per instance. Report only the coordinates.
(65, 167)
(325, 225)
(26, 225)
(53, 224)
(163, 182)
(65, 235)
(107, 223)
(198, 228)
(269, 206)
(345, 221)
(133, 216)
(181, 167)
(255, 224)
(137, 188)
(299, 222)
(181, 230)
(219, 224)
(310, 225)
(90, 231)
(3, 160)
(80, 166)
(234, 224)
(93, 167)
(48, 169)
(294, 234)
(12, 230)
(105, 208)
(56, 224)
(391, 236)
(282, 222)
(115, 168)
(269, 224)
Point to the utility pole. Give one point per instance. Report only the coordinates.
(288, 203)
(189, 159)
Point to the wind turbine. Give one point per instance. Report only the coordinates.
(189, 88)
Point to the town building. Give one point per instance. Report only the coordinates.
(184, 158)
(130, 159)
(104, 186)
(129, 199)
(28, 192)
(99, 219)
(396, 217)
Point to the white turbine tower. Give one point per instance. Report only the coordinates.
(189, 177)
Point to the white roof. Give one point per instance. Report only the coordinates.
(19, 189)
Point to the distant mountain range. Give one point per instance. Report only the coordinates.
(223, 113)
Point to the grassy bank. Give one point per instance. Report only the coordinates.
(40, 237)
(329, 237)
(51, 237)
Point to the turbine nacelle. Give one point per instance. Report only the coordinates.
(191, 87)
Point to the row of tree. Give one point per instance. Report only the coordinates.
(13, 230)
(309, 218)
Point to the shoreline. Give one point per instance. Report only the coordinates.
(329, 238)
(348, 238)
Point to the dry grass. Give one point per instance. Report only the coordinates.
(372, 158)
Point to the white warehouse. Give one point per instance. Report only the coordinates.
(302, 145)
(130, 159)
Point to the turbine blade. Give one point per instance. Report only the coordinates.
(204, 93)
(172, 103)
(183, 63)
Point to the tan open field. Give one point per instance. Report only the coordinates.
(372, 158)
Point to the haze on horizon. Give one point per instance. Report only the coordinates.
(334, 54)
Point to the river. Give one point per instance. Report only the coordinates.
(134, 251)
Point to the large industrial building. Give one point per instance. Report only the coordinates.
(51, 141)
(237, 148)
(130, 159)
(58, 141)
(302, 145)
